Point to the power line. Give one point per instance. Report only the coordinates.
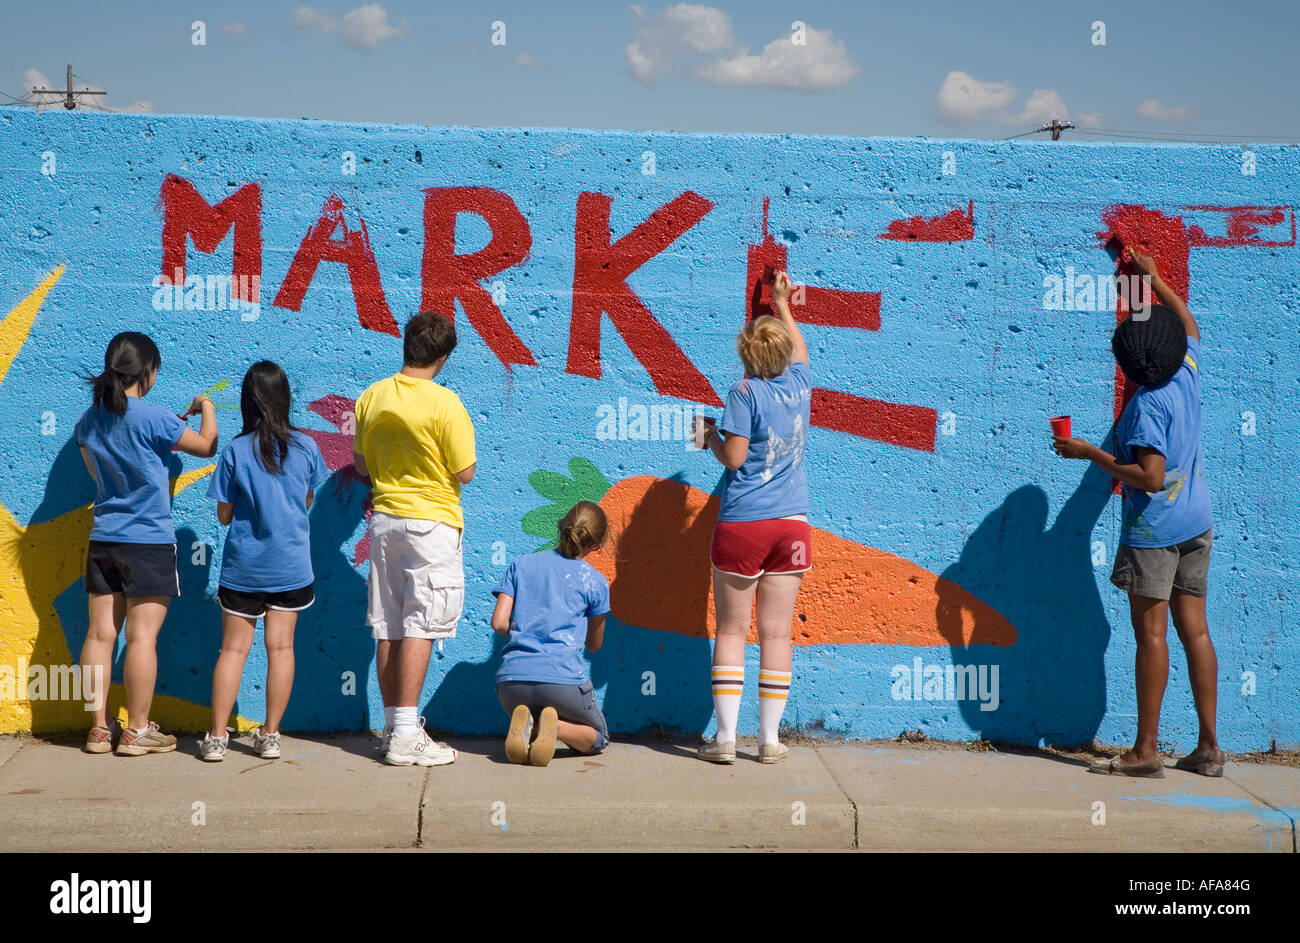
(69, 102)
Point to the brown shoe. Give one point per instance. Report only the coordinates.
(1153, 770)
(1202, 762)
(521, 728)
(151, 740)
(100, 739)
(543, 748)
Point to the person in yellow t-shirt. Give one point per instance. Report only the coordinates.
(415, 442)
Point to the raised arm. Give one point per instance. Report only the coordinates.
(1146, 266)
(781, 289)
(204, 442)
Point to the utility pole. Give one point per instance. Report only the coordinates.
(1056, 127)
(69, 102)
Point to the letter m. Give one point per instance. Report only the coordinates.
(187, 214)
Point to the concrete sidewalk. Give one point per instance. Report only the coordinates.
(331, 793)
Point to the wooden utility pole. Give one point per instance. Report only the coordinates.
(1056, 127)
(69, 102)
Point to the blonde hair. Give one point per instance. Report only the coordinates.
(765, 347)
(582, 529)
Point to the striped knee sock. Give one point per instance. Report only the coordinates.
(728, 682)
(773, 689)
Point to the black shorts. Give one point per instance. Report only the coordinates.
(254, 605)
(131, 569)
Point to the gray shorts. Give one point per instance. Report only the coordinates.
(575, 703)
(1156, 571)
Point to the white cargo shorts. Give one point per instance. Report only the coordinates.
(416, 587)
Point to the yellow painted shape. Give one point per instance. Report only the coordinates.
(37, 563)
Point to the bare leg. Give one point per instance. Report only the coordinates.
(777, 593)
(107, 612)
(408, 664)
(733, 603)
(144, 617)
(578, 737)
(236, 640)
(1151, 627)
(277, 628)
(383, 655)
(1202, 666)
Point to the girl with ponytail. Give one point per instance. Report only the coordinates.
(549, 604)
(131, 562)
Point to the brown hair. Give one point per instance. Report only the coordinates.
(765, 347)
(582, 529)
(428, 338)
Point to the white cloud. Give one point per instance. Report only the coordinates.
(305, 17)
(1042, 106)
(678, 39)
(528, 61)
(366, 27)
(1157, 110)
(235, 29)
(822, 62)
(1090, 119)
(964, 99)
(682, 28)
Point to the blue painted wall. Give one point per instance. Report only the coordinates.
(963, 331)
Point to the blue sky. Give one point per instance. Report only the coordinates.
(928, 67)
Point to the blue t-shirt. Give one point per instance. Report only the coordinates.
(268, 548)
(554, 597)
(1167, 418)
(773, 414)
(129, 454)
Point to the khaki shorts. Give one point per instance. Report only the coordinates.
(416, 587)
(1155, 572)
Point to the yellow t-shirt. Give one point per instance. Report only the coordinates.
(414, 435)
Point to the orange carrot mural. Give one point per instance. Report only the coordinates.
(658, 571)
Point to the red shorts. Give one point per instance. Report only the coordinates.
(752, 548)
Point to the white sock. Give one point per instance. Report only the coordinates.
(389, 713)
(773, 689)
(404, 721)
(728, 682)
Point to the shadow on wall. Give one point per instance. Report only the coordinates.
(1052, 682)
(331, 636)
(650, 678)
(674, 663)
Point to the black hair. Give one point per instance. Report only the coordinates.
(428, 338)
(264, 404)
(131, 358)
(1150, 350)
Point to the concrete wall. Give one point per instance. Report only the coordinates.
(947, 531)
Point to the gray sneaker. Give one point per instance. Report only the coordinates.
(213, 749)
(267, 746)
(151, 740)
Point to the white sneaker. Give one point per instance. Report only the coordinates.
(266, 746)
(418, 749)
(213, 749)
(385, 740)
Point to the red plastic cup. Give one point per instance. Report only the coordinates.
(1060, 426)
